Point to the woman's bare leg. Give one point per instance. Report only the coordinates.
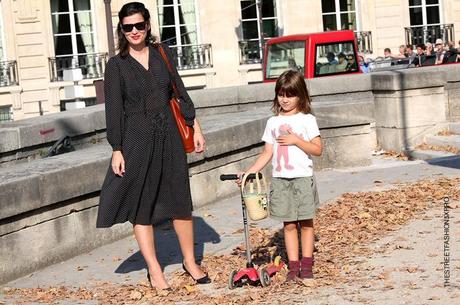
(145, 239)
(184, 231)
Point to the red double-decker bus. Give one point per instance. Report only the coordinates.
(315, 55)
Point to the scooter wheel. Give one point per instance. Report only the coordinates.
(264, 277)
(231, 283)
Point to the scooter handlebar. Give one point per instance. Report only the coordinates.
(225, 177)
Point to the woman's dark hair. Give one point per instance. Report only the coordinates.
(130, 9)
(291, 83)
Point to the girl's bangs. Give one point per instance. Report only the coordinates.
(287, 90)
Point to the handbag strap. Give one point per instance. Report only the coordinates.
(170, 69)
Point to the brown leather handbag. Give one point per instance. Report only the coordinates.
(186, 132)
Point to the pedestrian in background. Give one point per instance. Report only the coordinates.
(363, 64)
(402, 52)
(410, 53)
(439, 51)
(387, 53)
(429, 49)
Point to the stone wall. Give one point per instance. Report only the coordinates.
(409, 104)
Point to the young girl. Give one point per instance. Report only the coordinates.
(291, 137)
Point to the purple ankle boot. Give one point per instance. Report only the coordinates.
(306, 270)
(294, 269)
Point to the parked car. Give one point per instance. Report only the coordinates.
(315, 55)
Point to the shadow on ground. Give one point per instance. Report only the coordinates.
(167, 246)
(452, 162)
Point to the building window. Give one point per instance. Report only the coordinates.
(424, 12)
(250, 16)
(73, 28)
(426, 23)
(6, 115)
(259, 22)
(178, 22)
(339, 15)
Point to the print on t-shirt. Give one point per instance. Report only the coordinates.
(282, 150)
(289, 161)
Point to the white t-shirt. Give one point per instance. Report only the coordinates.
(290, 161)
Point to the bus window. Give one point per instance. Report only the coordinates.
(335, 58)
(284, 56)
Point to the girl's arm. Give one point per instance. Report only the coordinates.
(263, 159)
(313, 147)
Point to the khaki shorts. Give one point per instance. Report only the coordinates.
(293, 199)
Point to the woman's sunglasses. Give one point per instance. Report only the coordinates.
(140, 26)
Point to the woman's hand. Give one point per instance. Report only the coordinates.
(198, 138)
(200, 142)
(118, 163)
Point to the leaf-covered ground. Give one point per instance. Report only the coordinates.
(447, 148)
(346, 230)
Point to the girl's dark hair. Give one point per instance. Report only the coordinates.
(291, 83)
(130, 9)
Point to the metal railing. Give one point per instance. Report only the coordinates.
(250, 52)
(192, 56)
(385, 64)
(423, 34)
(8, 73)
(91, 65)
(6, 115)
(364, 41)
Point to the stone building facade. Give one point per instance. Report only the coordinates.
(52, 51)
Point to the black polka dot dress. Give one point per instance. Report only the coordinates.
(155, 186)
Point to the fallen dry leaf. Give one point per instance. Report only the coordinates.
(434, 298)
(135, 295)
(412, 269)
(190, 288)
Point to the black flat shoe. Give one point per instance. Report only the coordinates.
(151, 286)
(203, 280)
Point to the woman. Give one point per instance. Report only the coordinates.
(363, 64)
(402, 53)
(429, 49)
(148, 181)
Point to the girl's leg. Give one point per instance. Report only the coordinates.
(291, 241)
(184, 231)
(145, 239)
(307, 237)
